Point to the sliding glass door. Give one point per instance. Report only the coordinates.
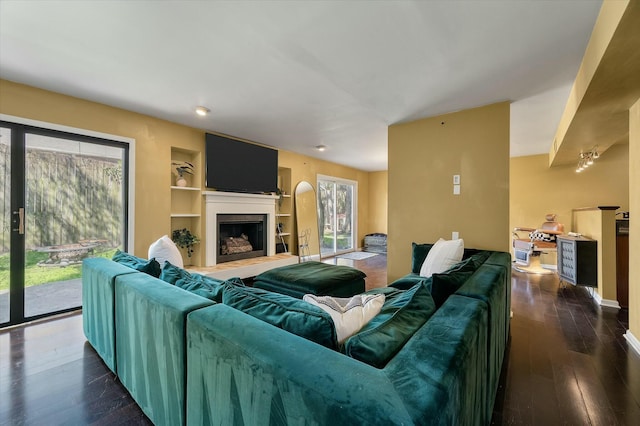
(64, 198)
(336, 215)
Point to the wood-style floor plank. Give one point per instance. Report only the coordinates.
(567, 363)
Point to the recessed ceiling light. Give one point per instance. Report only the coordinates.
(202, 111)
(321, 148)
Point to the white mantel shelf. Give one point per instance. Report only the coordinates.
(237, 197)
(219, 202)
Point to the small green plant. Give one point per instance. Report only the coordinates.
(185, 239)
(182, 167)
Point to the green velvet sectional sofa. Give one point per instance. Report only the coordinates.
(189, 359)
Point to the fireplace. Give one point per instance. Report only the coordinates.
(219, 203)
(241, 236)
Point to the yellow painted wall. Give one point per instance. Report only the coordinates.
(634, 222)
(423, 157)
(537, 189)
(154, 139)
(600, 225)
(308, 168)
(378, 199)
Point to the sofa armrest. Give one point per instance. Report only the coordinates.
(151, 318)
(441, 371)
(98, 305)
(243, 369)
(491, 284)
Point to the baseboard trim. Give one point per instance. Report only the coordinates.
(608, 303)
(633, 341)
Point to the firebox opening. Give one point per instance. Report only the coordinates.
(241, 236)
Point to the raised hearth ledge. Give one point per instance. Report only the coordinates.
(218, 202)
(246, 268)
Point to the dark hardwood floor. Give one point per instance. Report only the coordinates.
(567, 363)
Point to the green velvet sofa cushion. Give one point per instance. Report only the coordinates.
(286, 312)
(490, 284)
(441, 370)
(313, 278)
(403, 312)
(446, 283)
(408, 281)
(151, 266)
(98, 305)
(172, 273)
(201, 285)
(418, 255)
(243, 371)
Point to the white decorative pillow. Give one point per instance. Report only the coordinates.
(165, 249)
(349, 315)
(442, 256)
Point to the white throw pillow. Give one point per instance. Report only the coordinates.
(349, 315)
(442, 256)
(165, 249)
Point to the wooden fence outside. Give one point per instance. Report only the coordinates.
(69, 198)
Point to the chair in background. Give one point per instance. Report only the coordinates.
(528, 242)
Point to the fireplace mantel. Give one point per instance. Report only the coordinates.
(218, 202)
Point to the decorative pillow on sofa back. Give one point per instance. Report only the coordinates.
(165, 250)
(443, 255)
(201, 285)
(151, 267)
(445, 284)
(286, 312)
(348, 314)
(402, 314)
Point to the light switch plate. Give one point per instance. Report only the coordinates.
(456, 179)
(456, 189)
(455, 235)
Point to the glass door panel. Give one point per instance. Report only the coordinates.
(326, 218)
(5, 217)
(344, 215)
(74, 208)
(336, 216)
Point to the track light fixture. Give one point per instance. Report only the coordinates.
(585, 159)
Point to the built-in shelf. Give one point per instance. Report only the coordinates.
(186, 202)
(284, 210)
(186, 188)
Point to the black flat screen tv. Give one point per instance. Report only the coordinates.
(236, 166)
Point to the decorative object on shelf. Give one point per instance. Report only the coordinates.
(585, 159)
(280, 193)
(182, 167)
(185, 239)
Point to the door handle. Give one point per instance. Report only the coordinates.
(18, 219)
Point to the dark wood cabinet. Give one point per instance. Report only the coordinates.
(622, 262)
(578, 260)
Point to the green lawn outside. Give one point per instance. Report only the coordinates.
(36, 275)
(343, 241)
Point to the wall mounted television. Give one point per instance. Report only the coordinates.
(236, 166)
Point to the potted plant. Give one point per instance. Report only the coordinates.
(180, 168)
(185, 239)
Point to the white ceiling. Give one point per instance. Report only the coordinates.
(296, 74)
